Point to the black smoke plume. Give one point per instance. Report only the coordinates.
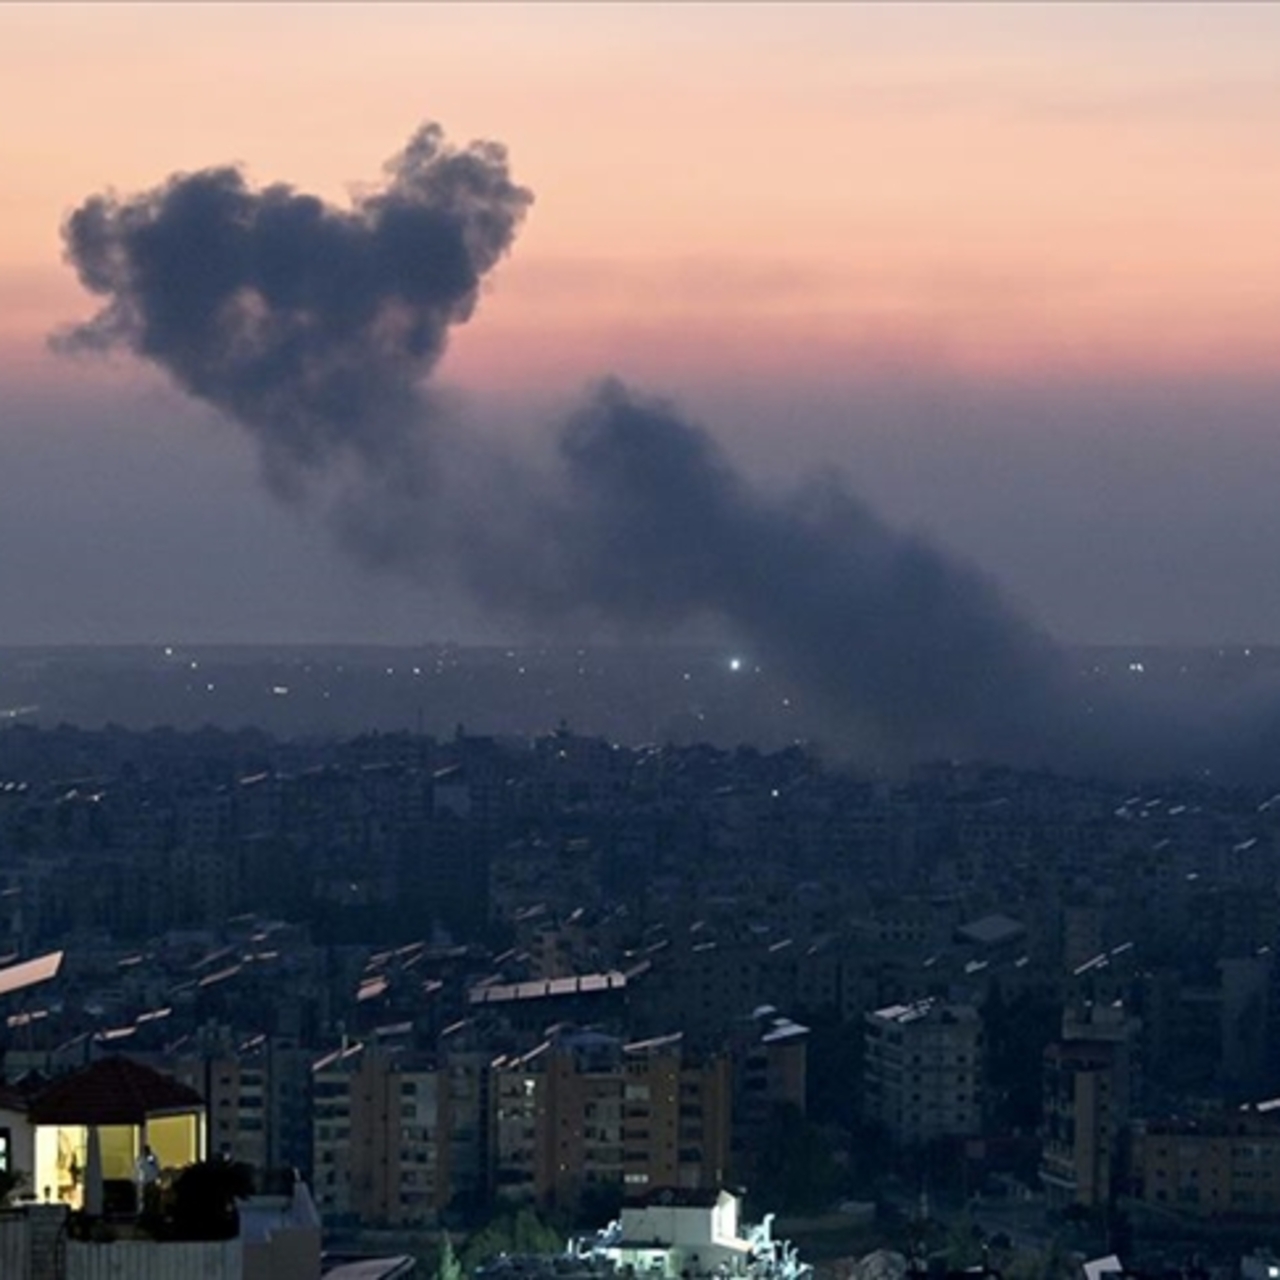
(315, 328)
(895, 646)
(311, 326)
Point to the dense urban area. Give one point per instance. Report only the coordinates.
(479, 992)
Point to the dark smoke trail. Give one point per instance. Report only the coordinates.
(315, 328)
(898, 645)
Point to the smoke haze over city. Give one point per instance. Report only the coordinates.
(1004, 376)
(316, 329)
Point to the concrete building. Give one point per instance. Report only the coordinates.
(672, 1233)
(585, 1114)
(279, 1239)
(378, 1116)
(1088, 1092)
(1223, 1165)
(257, 1092)
(924, 1070)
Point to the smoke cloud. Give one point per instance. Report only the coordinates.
(316, 329)
(312, 327)
(901, 649)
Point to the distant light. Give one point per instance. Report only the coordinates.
(280, 690)
(168, 651)
(735, 664)
(195, 666)
(209, 687)
(775, 793)
(417, 671)
(1137, 667)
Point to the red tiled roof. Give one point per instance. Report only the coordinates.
(112, 1091)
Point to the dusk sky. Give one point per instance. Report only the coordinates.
(1013, 268)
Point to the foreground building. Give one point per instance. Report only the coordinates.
(85, 1145)
(96, 1123)
(673, 1233)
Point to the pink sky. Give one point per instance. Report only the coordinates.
(1015, 266)
(787, 189)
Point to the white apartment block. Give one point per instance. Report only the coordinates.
(924, 1070)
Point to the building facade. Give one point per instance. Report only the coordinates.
(586, 1114)
(924, 1071)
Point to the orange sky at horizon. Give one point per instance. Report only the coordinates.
(719, 189)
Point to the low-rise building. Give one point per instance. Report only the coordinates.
(1223, 1165)
(673, 1232)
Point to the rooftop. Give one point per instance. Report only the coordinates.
(113, 1091)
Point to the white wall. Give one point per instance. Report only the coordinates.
(147, 1260)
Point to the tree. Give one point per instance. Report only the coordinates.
(512, 1231)
(202, 1203)
(964, 1242)
(800, 1174)
(600, 1202)
(448, 1267)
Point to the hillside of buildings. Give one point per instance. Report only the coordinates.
(627, 693)
(450, 980)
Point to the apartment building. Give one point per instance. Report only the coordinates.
(585, 1113)
(1088, 1089)
(378, 1112)
(924, 1070)
(257, 1091)
(1222, 1165)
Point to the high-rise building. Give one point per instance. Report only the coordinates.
(1088, 1091)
